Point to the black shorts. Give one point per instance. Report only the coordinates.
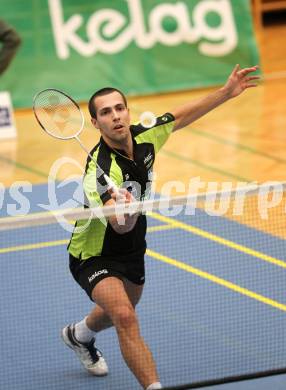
(87, 273)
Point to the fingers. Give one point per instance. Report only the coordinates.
(245, 71)
(250, 85)
(121, 196)
(129, 197)
(116, 195)
(235, 70)
(250, 78)
(247, 82)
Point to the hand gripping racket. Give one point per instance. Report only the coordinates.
(61, 117)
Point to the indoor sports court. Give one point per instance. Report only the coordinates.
(213, 310)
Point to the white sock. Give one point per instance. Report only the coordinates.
(155, 386)
(82, 332)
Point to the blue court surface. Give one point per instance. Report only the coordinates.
(214, 305)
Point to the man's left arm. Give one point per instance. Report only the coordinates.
(238, 81)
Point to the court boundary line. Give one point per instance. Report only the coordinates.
(176, 263)
(220, 240)
(217, 280)
(45, 244)
(171, 223)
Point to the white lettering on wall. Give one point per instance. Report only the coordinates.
(110, 32)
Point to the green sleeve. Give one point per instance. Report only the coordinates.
(158, 134)
(95, 188)
(90, 186)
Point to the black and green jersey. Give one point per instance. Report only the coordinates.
(97, 238)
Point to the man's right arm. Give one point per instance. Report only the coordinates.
(97, 194)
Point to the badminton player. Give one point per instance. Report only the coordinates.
(107, 260)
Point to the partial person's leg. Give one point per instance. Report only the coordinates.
(98, 320)
(111, 295)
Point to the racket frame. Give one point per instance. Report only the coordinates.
(111, 185)
(75, 135)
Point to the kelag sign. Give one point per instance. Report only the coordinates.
(139, 46)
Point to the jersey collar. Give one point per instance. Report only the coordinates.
(119, 152)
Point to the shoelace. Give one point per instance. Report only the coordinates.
(92, 352)
(89, 350)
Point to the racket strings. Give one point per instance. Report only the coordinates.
(58, 114)
(61, 117)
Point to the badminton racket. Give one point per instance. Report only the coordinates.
(61, 117)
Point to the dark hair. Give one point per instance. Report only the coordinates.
(102, 92)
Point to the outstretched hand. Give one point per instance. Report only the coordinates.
(239, 80)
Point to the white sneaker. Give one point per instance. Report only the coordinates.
(88, 354)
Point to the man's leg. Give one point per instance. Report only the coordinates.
(111, 295)
(98, 320)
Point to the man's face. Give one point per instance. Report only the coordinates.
(113, 119)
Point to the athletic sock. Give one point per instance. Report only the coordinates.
(155, 386)
(82, 332)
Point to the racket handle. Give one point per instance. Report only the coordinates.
(111, 185)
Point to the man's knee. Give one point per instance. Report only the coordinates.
(124, 317)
